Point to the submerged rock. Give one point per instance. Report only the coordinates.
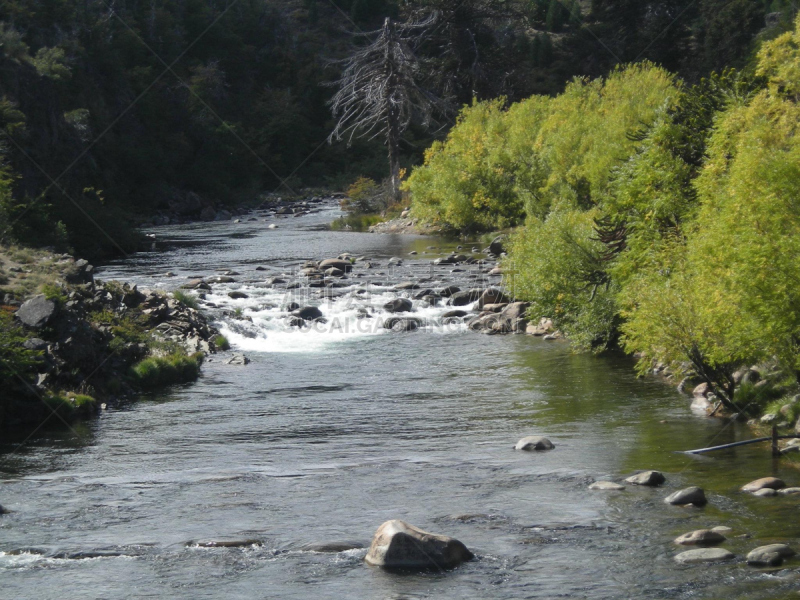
(700, 537)
(606, 486)
(691, 495)
(771, 555)
(398, 545)
(331, 547)
(534, 443)
(225, 543)
(772, 483)
(238, 359)
(701, 555)
(648, 478)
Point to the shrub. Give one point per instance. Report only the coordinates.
(187, 299)
(221, 342)
(158, 371)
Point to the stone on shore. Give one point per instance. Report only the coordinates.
(701, 555)
(534, 443)
(606, 486)
(492, 296)
(771, 555)
(772, 483)
(648, 478)
(399, 545)
(700, 537)
(36, 312)
(691, 495)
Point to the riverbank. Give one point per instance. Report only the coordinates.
(70, 344)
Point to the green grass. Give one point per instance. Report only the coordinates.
(356, 222)
(71, 405)
(756, 399)
(775, 406)
(158, 371)
(221, 342)
(188, 299)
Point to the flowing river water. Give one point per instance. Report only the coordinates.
(329, 432)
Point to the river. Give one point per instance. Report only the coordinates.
(326, 434)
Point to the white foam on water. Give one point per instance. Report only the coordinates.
(262, 321)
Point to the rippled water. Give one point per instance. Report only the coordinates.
(327, 434)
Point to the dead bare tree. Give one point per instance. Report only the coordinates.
(380, 91)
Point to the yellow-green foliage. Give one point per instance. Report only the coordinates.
(588, 131)
(498, 165)
(465, 182)
(729, 292)
(158, 371)
(556, 265)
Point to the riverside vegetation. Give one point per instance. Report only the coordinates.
(76, 342)
(127, 110)
(649, 215)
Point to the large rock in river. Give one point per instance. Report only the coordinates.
(691, 495)
(36, 312)
(464, 298)
(700, 537)
(492, 296)
(649, 478)
(336, 263)
(771, 555)
(398, 545)
(398, 305)
(701, 555)
(534, 442)
(309, 313)
(771, 483)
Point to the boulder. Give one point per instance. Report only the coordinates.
(771, 555)
(496, 247)
(649, 478)
(466, 297)
(534, 443)
(492, 296)
(606, 486)
(407, 285)
(398, 545)
(308, 313)
(764, 483)
(701, 391)
(208, 214)
(333, 272)
(398, 305)
(544, 327)
(196, 284)
(701, 555)
(765, 493)
(237, 295)
(700, 537)
(516, 310)
(402, 324)
(448, 291)
(336, 263)
(791, 491)
(36, 312)
(691, 495)
(454, 314)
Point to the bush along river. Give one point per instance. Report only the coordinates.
(355, 395)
